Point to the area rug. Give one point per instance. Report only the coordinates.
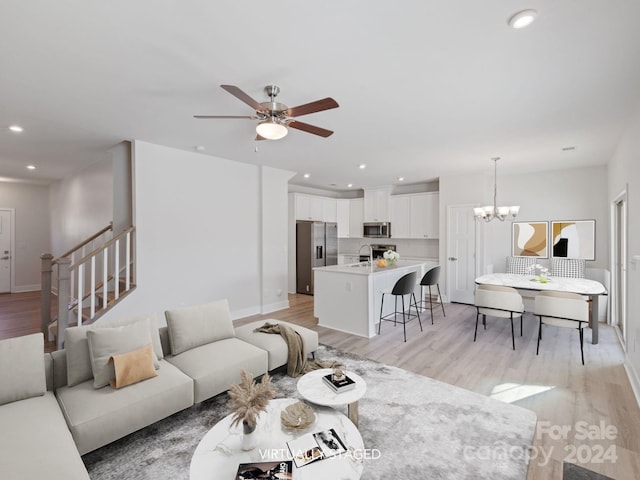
(420, 428)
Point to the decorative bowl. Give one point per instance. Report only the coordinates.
(297, 416)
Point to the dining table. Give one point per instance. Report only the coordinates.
(582, 286)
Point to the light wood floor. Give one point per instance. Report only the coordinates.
(555, 385)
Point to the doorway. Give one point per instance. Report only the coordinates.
(461, 253)
(619, 266)
(6, 249)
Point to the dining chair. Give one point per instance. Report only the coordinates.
(562, 309)
(405, 285)
(429, 279)
(501, 302)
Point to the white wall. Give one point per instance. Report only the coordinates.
(199, 222)
(624, 173)
(81, 205)
(575, 194)
(31, 217)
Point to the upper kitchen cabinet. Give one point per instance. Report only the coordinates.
(376, 204)
(309, 207)
(342, 211)
(329, 211)
(356, 208)
(414, 215)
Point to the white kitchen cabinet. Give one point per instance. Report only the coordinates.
(400, 216)
(342, 214)
(309, 207)
(356, 215)
(424, 215)
(329, 213)
(376, 204)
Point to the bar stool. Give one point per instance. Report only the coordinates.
(404, 286)
(428, 280)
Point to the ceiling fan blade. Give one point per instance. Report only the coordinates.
(305, 127)
(250, 117)
(317, 106)
(240, 95)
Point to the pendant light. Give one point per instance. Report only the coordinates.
(490, 212)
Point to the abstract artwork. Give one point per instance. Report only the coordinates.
(529, 239)
(573, 239)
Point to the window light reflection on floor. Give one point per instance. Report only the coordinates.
(512, 392)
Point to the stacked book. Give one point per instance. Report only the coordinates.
(339, 385)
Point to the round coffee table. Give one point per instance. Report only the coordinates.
(219, 452)
(312, 388)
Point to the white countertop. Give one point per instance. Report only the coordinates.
(363, 269)
(581, 286)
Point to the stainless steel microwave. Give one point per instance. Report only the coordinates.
(377, 230)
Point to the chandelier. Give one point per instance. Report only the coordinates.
(490, 212)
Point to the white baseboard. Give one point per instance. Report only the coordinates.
(245, 312)
(634, 378)
(273, 307)
(25, 288)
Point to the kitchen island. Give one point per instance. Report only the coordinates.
(348, 297)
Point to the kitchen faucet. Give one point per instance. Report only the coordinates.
(370, 252)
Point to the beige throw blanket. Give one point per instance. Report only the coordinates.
(296, 362)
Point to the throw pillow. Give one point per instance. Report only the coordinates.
(567, 267)
(22, 368)
(190, 327)
(77, 347)
(520, 265)
(106, 342)
(133, 367)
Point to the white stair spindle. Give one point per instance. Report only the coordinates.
(127, 268)
(80, 286)
(105, 277)
(93, 287)
(116, 270)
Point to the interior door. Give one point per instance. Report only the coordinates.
(5, 251)
(461, 253)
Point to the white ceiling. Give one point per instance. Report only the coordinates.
(425, 87)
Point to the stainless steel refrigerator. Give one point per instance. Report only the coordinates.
(316, 246)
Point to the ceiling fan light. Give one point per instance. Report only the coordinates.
(271, 130)
(522, 19)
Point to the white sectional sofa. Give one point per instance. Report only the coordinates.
(55, 413)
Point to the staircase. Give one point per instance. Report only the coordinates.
(89, 280)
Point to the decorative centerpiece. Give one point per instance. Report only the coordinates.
(391, 257)
(297, 416)
(338, 375)
(248, 400)
(540, 273)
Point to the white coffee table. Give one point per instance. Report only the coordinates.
(312, 388)
(219, 453)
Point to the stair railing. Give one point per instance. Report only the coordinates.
(86, 281)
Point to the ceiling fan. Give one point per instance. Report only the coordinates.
(275, 117)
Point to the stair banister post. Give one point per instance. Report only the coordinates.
(64, 293)
(45, 291)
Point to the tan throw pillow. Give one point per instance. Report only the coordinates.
(190, 327)
(133, 367)
(106, 342)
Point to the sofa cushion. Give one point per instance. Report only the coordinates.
(106, 342)
(217, 365)
(36, 443)
(98, 417)
(274, 344)
(190, 327)
(22, 373)
(133, 367)
(77, 347)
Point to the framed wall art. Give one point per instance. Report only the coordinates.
(529, 239)
(573, 239)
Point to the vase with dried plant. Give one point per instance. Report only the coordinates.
(248, 400)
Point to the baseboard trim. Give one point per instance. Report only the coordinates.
(26, 288)
(274, 307)
(634, 379)
(245, 312)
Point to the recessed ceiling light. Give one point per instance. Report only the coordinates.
(522, 19)
(349, 185)
(306, 175)
(16, 129)
(31, 167)
(566, 149)
(199, 148)
(362, 166)
(401, 179)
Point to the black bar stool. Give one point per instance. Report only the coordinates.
(428, 280)
(404, 286)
